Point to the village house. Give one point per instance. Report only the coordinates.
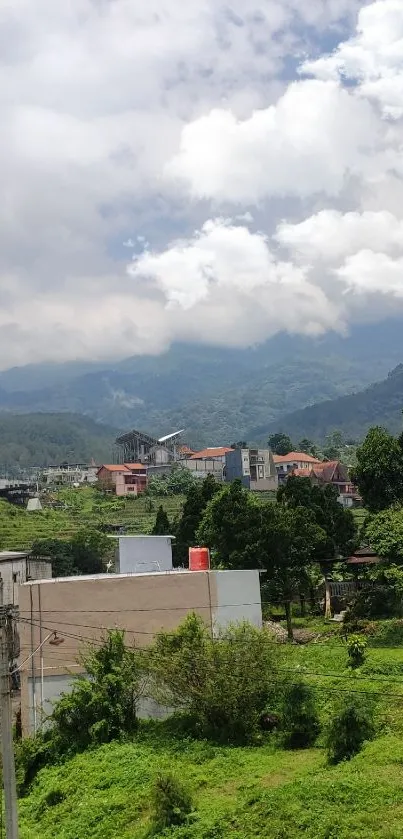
(288, 463)
(123, 478)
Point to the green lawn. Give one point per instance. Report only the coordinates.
(248, 793)
(262, 792)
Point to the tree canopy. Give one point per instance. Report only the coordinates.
(337, 522)
(280, 443)
(379, 470)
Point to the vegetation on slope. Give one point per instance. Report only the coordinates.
(84, 508)
(379, 404)
(47, 439)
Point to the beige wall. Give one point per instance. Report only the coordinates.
(81, 609)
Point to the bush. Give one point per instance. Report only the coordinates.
(300, 718)
(356, 649)
(171, 802)
(378, 601)
(350, 726)
(223, 684)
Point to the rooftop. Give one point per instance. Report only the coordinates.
(293, 457)
(212, 451)
(116, 577)
(9, 555)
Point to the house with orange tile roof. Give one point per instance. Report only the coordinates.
(123, 478)
(287, 463)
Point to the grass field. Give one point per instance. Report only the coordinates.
(264, 792)
(85, 508)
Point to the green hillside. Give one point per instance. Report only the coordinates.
(84, 509)
(262, 792)
(217, 394)
(43, 439)
(379, 404)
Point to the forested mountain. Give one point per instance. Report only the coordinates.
(45, 439)
(379, 404)
(217, 394)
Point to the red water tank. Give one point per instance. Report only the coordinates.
(199, 559)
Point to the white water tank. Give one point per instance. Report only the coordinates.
(142, 554)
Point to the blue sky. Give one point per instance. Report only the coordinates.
(256, 146)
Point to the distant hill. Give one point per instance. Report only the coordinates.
(46, 439)
(379, 404)
(217, 394)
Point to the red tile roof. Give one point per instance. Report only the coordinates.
(215, 451)
(114, 467)
(135, 467)
(295, 457)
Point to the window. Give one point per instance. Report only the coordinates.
(15, 578)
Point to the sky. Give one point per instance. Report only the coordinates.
(205, 171)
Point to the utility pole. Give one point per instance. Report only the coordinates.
(7, 745)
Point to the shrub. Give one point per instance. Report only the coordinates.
(171, 802)
(350, 726)
(300, 717)
(223, 684)
(356, 649)
(378, 601)
(102, 707)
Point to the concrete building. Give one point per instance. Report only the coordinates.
(210, 461)
(123, 479)
(80, 609)
(69, 474)
(17, 567)
(255, 468)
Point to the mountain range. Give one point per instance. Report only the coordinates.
(219, 395)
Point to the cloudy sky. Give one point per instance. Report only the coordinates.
(209, 170)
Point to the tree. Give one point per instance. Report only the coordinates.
(198, 496)
(223, 684)
(337, 522)
(289, 540)
(102, 707)
(89, 549)
(280, 443)
(308, 447)
(230, 525)
(59, 553)
(384, 532)
(162, 526)
(241, 444)
(379, 470)
(171, 802)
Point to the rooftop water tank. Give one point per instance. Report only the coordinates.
(199, 559)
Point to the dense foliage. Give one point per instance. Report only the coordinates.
(186, 533)
(84, 553)
(50, 439)
(379, 470)
(355, 414)
(337, 522)
(300, 719)
(223, 684)
(281, 540)
(350, 726)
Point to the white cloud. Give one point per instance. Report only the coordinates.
(100, 100)
(373, 57)
(368, 272)
(330, 235)
(224, 262)
(310, 141)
